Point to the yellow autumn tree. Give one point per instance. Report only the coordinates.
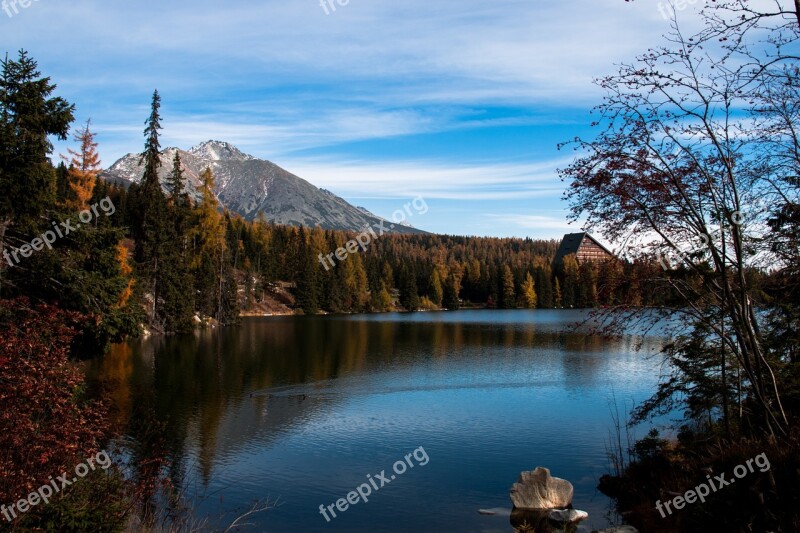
(355, 283)
(529, 298)
(207, 238)
(126, 270)
(84, 167)
(208, 235)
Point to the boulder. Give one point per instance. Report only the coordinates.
(539, 490)
(567, 516)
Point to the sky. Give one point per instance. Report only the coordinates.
(460, 102)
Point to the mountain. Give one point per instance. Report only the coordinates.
(252, 187)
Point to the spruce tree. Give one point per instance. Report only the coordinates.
(28, 115)
(569, 291)
(175, 182)
(177, 284)
(409, 297)
(435, 291)
(450, 296)
(587, 285)
(542, 279)
(308, 297)
(151, 225)
(509, 298)
(557, 300)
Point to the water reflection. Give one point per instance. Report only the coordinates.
(303, 406)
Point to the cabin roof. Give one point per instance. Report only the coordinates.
(572, 242)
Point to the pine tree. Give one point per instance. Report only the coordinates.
(176, 180)
(435, 291)
(151, 157)
(387, 276)
(529, 298)
(228, 298)
(409, 297)
(308, 283)
(84, 168)
(209, 247)
(81, 271)
(609, 281)
(63, 190)
(356, 283)
(384, 298)
(509, 298)
(177, 284)
(587, 285)
(544, 286)
(450, 297)
(28, 115)
(151, 218)
(569, 292)
(557, 300)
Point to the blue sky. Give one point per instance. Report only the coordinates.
(462, 102)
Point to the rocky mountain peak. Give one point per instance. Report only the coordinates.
(219, 151)
(254, 188)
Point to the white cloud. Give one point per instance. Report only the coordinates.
(401, 179)
(458, 51)
(281, 78)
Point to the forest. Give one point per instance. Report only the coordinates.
(692, 148)
(166, 263)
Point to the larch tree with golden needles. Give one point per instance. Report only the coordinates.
(529, 298)
(84, 167)
(208, 242)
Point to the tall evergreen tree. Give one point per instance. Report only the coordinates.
(508, 295)
(176, 180)
(587, 284)
(149, 230)
(28, 115)
(308, 283)
(450, 296)
(177, 287)
(544, 287)
(435, 291)
(151, 157)
(409, 297)
(569, 291)
(558, 301)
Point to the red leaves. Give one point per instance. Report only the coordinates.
(43, 429)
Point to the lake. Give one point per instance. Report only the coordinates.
(305, 408)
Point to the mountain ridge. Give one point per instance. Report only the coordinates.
(252, 187)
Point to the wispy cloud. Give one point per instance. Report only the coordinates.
(401, 179)
(462, 100)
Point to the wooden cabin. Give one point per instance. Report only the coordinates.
(584, 246)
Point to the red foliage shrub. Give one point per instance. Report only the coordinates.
(46, 426)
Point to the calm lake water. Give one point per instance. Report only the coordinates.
(304, 408)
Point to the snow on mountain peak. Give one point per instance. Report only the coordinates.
(219, 151)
